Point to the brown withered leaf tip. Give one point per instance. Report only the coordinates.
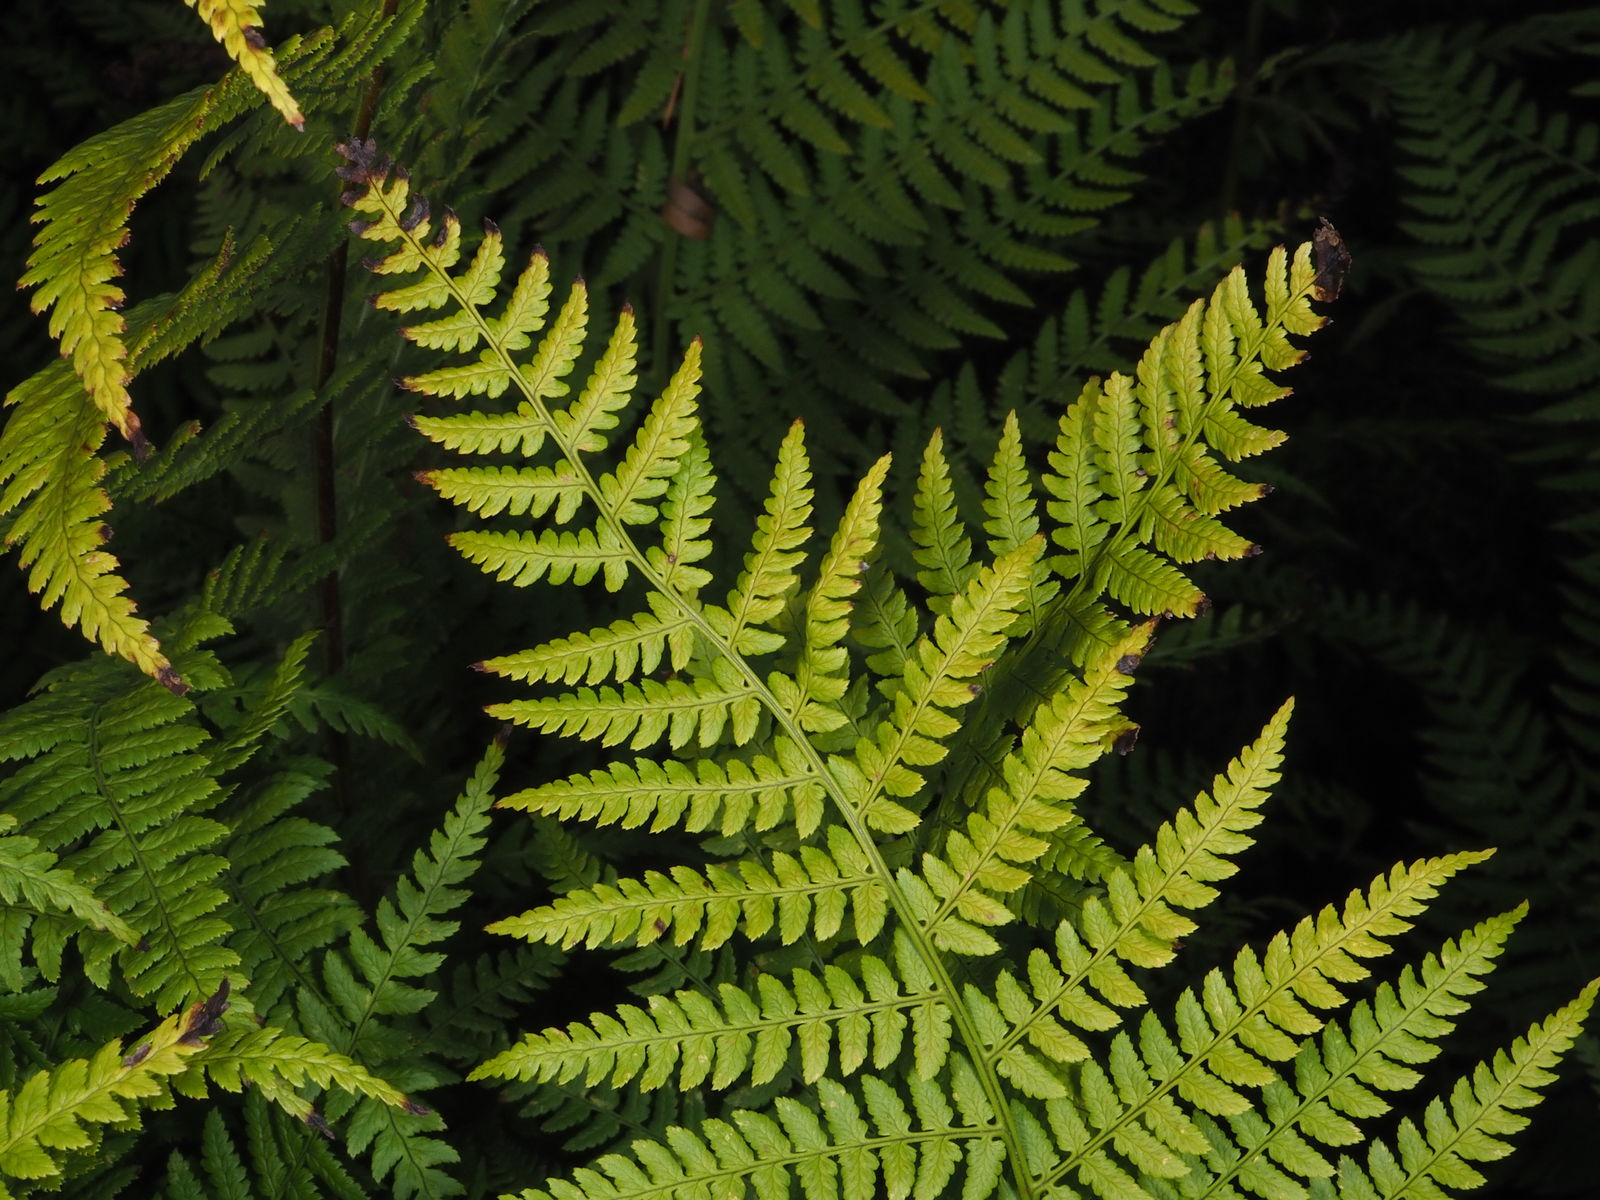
(1129, 663)
(172, 681)
(205, 1018)
(140, 1053)
(1126, 740)
(367, 165)
(1333, 261)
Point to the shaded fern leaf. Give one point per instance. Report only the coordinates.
(373, 990)
(119, 785)
(1506, 236)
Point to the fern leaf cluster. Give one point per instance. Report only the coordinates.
(904, 1052)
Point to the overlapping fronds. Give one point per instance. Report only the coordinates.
(899, 1052)
(60, 1112)
(769, 167)
(51, 472)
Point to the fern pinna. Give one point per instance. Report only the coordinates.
(880, 774)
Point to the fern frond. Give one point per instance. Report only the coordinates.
(1505, 233)
(55, 1112)
(281, 919)
(31, 882)
(280, 1063)
(839, 821)
(954, 152)
(83, 222)
(789, 895)
(119, 786)
(727, 796)
(853, 1148)
(51, 473)
(378, 983)
(237, 25)
(1470, 1127)
(1340, 1076)
(938, 678)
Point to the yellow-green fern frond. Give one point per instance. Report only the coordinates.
(84, 221)
(872, 780)
(57, 1112)
(1471, 1126)
(32, 883)
(237, 25)
(787, 897)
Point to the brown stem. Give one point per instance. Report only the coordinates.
(329, 600)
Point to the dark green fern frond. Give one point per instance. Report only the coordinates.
(119, 785)
(367, 1000)
(281, 910)
(1488, 739)
(766, 168)
(1505, 197)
